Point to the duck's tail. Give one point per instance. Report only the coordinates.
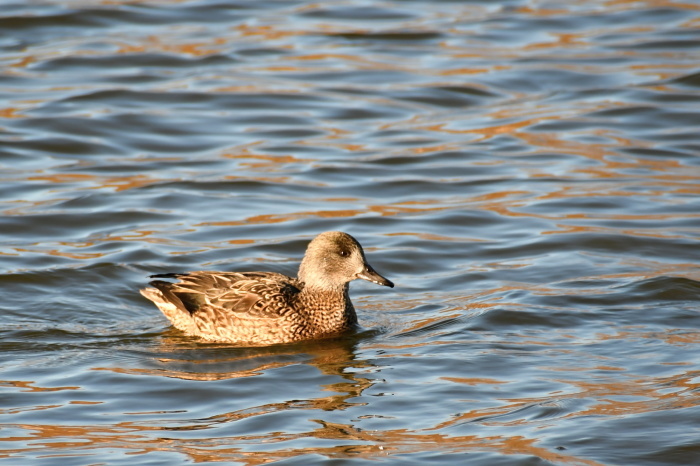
(171, 307)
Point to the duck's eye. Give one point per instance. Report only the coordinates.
(344, 253)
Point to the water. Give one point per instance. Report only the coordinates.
(526, 172)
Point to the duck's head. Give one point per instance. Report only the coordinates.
(335, 258)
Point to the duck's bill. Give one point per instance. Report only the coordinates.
(371, 276)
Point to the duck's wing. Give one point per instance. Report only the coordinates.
(245, 295)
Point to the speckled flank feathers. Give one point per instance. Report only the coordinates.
(262, 308)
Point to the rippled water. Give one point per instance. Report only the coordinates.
(526, 172)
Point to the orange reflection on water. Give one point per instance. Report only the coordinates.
(154, 43)
(568, 229)
(28, 386)
(384, 210)
(267, 160)
(119, 183)
(134, 438)
(473, 381)
(460, 71)
(671, 337)
(434, 237)
(266, 32)
(57, 253)
(11, 112)
(160, 433)
(655, 392)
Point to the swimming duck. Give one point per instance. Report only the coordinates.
(263, 308)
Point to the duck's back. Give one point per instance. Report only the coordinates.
(251, 307)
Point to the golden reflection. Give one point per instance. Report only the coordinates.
(384, 210)
(473, 381)
(28, 386)
(204, 361)
(568, 229)
(370, 64)
(70, 255)
(139, 236)
(119, 183)
(488, 132)
(24, 62)
(672, 337)
(337, 357)
(611, 399)
(435, 237)
(154, 43)
(655, 393)
(268, 160)
(351, 442)
(542, 11)
(11, 112)
(25, 205)
(422, 150)
(266, 32)
(460, 71)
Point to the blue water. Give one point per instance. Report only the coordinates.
(527, 173)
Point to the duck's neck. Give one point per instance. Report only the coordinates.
(328, 309)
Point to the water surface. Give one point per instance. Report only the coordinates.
(526, 172)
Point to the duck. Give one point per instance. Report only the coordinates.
(266, 308)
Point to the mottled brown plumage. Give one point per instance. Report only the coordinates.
(262, 308)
